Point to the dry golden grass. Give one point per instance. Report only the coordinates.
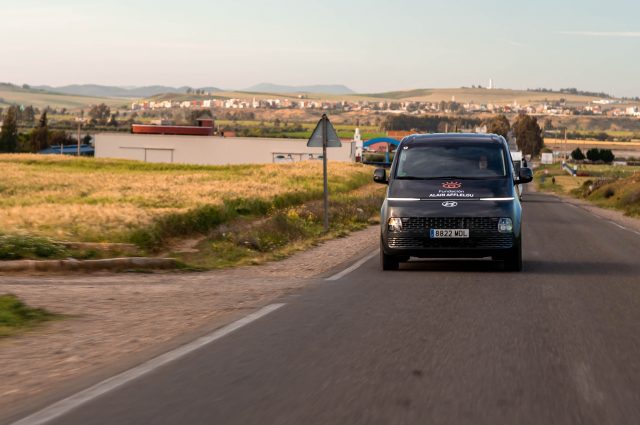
(104, 200)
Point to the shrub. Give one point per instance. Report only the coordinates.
(15, 247)
(609, 192)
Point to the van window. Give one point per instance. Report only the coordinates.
(451, 160)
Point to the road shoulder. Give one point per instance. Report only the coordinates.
(119, 320)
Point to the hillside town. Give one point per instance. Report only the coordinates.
(602, 107)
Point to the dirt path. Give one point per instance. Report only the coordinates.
(115, 317)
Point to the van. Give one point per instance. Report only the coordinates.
(452, 195)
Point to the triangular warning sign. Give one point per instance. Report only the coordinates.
(315, 141)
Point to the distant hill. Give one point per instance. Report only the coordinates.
(11, 94)
(114, 91)
(319, 88)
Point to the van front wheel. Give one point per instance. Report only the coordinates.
(388, 262)
(513, 260)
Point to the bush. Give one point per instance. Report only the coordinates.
(608, 192)
(16, 247)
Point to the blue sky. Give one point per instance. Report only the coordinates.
(369, 46)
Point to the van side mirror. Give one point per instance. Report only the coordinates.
(525, 175)
(380, 176)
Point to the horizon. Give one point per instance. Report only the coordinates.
(247, 89)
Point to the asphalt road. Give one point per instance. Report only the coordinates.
(439, 342)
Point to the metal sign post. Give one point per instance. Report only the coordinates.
(324, 172)
(325, 135)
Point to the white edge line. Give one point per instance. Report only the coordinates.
(403, 199)
(66, 405)
(353, 267)
(618, 225)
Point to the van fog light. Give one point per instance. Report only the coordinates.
(395, 224)
(505, 225)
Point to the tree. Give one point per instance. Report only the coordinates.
(9, 134)
(607, 155)
(39, 136)
(498, 125)
(29, 115)
(593, 154)
(528, 135)
(100, 113)
(577, 154)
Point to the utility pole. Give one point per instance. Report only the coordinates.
(79, 120)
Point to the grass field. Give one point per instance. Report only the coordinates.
(18, 96)
(477, 95)
(345, 131)
(607, 186)
(105, 200)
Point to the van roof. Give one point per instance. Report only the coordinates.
(437, 137)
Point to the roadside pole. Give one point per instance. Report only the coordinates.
(324, 136)
(324, 172)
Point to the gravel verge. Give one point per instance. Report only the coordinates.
(114, 319)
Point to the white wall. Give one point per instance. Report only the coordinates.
(210, 150)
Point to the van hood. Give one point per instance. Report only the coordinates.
(445, 189)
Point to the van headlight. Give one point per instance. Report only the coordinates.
(505, 225)
(395, 224)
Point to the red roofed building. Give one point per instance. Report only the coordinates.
(204, 128)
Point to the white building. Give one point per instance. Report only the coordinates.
(211, 150)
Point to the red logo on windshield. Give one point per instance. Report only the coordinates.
(452, 185)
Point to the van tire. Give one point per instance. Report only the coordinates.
(513, 260)
(388, 262)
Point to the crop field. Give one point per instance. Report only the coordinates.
(11, 96)
(103, 200)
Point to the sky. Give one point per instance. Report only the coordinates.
(367, 45)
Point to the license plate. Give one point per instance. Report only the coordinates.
(448, 233)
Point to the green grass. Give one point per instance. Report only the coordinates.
(17, 247)
(16, 316)
(621, 194)
(104, 200)
(607, 186)
(284, 231)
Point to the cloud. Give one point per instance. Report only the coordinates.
(602, 33)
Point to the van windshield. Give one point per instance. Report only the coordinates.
(451, 160)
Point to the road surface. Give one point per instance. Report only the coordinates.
(438, 342)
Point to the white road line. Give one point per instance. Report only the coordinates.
(66, 405)
(353, 267)
(618, 225)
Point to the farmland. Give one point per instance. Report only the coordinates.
(10, 95)
(112, 200)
